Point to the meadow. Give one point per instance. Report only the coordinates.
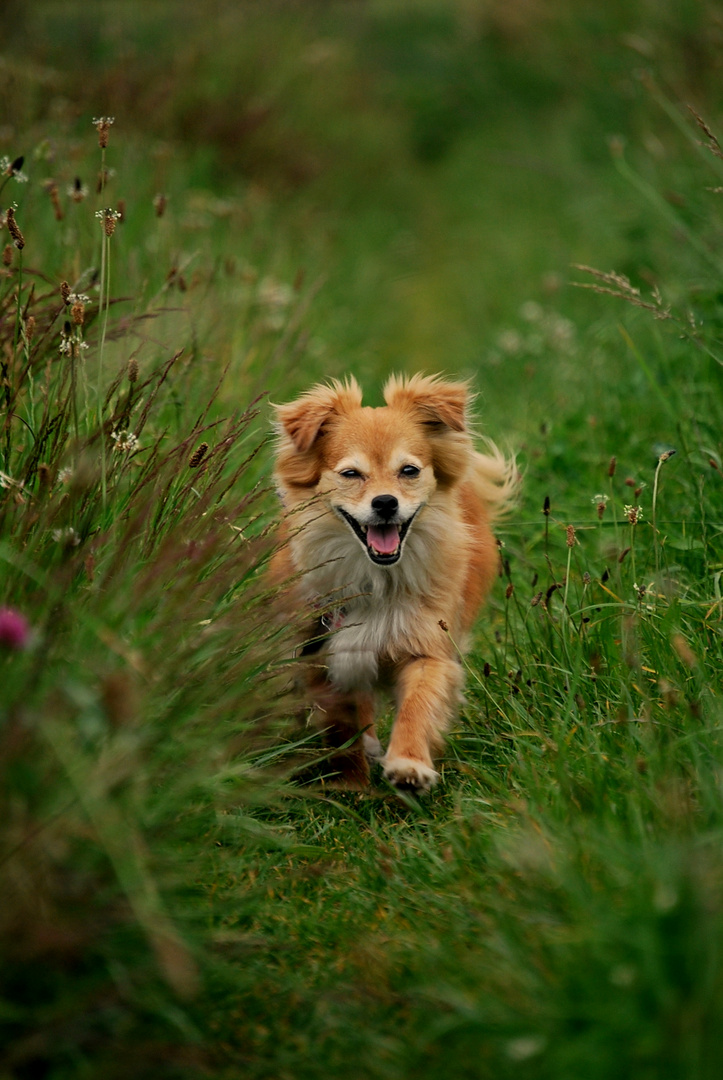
(203, 212)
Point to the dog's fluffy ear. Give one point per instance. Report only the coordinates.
(303, 420)
(435, 400)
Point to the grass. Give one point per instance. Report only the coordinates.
(181, 898)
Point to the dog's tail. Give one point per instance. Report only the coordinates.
(495, 479)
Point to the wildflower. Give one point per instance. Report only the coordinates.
(612, 466)
(509, 591)
(546, 506)
(77, 190)
(666, 455)
(78, 301)
(70, 346)
(570, 536)
(601, 502)
(159, 204)
(640, 590)
(65, 475)
(65, 292)
(198, 455)
(14, 169)
(14, 629)
(69, 537)
(125, 441)
(14, 229)
(536, 599)
(586, 579)
(634, 514)
(103, 123)
(132, 370)
(108, 217)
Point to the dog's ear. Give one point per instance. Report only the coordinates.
(433, 399)
(303, 420)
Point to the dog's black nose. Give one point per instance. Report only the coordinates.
(385, 505)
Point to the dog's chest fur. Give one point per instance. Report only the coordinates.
(378, 614)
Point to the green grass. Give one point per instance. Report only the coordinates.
(364, 189)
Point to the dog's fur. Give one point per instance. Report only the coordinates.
(388, 546)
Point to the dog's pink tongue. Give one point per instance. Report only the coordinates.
(383, 538)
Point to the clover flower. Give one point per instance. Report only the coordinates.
(14, 629)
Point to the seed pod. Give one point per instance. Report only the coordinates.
(198, 455)
(14, 229)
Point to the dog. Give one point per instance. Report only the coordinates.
(386, 545)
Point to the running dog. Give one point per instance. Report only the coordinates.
(387, 545)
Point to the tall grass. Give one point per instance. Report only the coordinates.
(139, 668)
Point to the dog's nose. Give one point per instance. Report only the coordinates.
(385, 505)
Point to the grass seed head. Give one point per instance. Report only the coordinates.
(132, 370)
(14, 229)
(77, 190)
(103, 124)
(198, 455)
(108, 218)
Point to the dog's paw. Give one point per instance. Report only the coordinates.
(372, 747)
(407, 773)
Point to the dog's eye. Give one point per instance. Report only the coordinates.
(409, 471)
(351, 474)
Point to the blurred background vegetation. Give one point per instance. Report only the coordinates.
(435, 165)
(310, 189)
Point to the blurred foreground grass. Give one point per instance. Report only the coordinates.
(306, 190)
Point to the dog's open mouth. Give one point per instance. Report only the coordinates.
(383, 543)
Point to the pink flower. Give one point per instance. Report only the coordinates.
(14, 629)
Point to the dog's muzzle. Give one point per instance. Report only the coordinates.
(382, 539)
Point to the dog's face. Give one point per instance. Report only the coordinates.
(374, 469)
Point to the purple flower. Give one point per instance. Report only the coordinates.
(14, 629)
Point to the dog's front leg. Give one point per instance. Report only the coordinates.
(428, 692)
(344, 716)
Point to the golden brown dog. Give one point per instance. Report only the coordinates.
(388, 546)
